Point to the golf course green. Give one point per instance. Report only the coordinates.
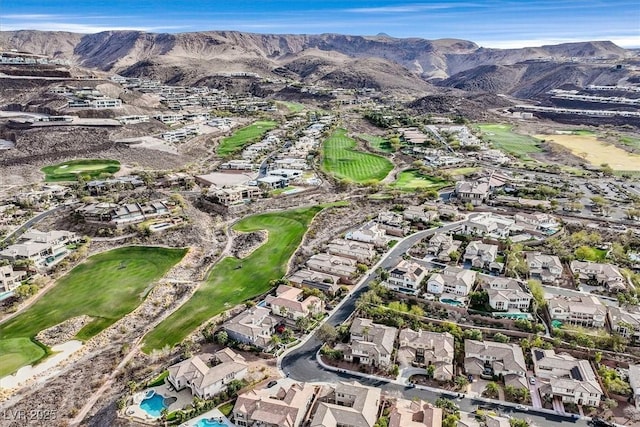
(105, 287)
(69, 171)
(233, 281)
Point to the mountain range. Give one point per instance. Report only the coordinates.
(382, 62)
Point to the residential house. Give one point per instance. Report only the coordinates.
(625, 322)
(603, 274)
(441, 245)
(506, 294)
(582, 310)
(98, 187)
(420, 213)
(231, 196)
(325, 282)
(208, 374)
(424, 348)
(289, 302)
(348, 404)
(392, 223)
(447, 211)
(273, 181)
(487, 358)
(565, 377)
(488, 224)
(238, 165)
(254, 326)
(362, 252)
(452, 280)
(45, 249)
(290, 174)
(9, 278)
(537, 220)
(406, 277)
(483, 256)
(121, 215)
(368, 233)
(546, 268)
(414, 413)
(634, 382)
(345, 268)
(370, 343)
(281, 406)
(178, 179)
(472, 192)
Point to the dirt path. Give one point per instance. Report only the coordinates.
(91, 401)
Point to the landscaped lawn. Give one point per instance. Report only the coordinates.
(245, 136)
(293, 107)
(106, 287)
(503, 137)
(463, 171)
(412, 179)
(69, 171)
(18, 352)
(233, 281)
(341, 160)
(377, 142)
(596, 255)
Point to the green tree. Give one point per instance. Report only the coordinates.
(585, 253)
(448, 406)
(431, 370)
(327, 333)
(398, 306)
(518, 422)
(538, 292)
(479, 300)
(222, 337)
(303, 323)
(450, 420)
(473, 334)
(461, 382)
(492, 390)
(500, 337)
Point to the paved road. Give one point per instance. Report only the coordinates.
(24, 227)
(300, 364)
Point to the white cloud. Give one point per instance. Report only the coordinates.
(409, 8)
(30, 16)
(81, 28)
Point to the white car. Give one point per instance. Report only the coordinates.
(522, 408)
(532, 380)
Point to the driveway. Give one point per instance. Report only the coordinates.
(536, 400)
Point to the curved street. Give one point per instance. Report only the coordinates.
(300, 363)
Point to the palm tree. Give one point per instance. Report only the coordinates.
(492, 389)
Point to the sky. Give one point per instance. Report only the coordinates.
(490, 23)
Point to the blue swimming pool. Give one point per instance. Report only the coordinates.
(451, 302)
(153, 405)
(211, 422)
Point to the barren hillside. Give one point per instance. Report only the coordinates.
(331, 59)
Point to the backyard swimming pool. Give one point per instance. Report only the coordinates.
(153, 405)
(451, 302)
(210, 422)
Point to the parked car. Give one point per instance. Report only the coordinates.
(271, 384)
(532, 380)
(522, 408)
